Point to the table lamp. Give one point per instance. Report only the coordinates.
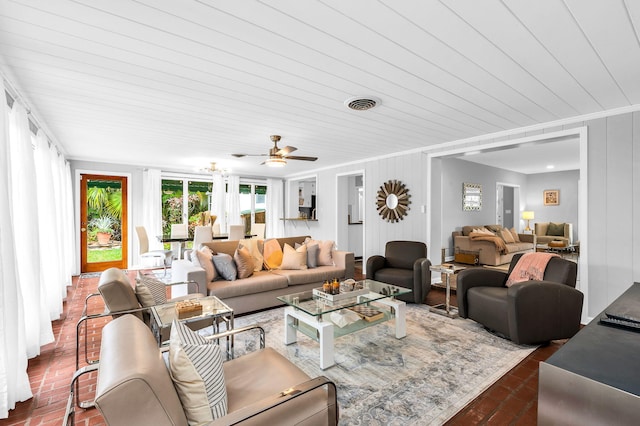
(527, 215)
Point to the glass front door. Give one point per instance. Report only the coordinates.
(103, 223)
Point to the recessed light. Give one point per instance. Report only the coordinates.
(551, 166)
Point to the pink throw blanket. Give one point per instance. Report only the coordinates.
(530, 266)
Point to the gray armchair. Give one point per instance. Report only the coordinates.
(527, 312)
(404, 264)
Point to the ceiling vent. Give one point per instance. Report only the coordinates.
(362, 103)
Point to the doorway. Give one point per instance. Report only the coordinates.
(350, 213)
(507, 205)
(103, 222)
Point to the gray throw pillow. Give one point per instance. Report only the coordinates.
(226, 266)
(312, 254)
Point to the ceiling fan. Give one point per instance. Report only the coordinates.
(278, 156)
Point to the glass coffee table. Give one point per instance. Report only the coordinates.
(214, 312)
(314, 315)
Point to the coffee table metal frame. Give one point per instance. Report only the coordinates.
(309, 314)
(212, 308)
(445, 308)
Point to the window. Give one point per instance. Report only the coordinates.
(182, 202)
(252, 204)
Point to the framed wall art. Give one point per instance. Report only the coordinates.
(471, 197)
(551, 197)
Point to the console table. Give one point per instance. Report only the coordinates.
(594, 378)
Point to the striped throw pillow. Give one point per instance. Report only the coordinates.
(196, 369)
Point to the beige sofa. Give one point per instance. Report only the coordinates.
(541, 229)
(263, 387)
(488, 251)
(259, 291)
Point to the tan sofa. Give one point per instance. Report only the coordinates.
(259, 291)
(541, 230)
(488, 252)
(263, 387)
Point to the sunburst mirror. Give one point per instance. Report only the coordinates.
(393, 201)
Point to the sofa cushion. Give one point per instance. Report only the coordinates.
(259, 282)
(226, 266)
(517, 247)
(488, 306)
(555, 229)
(196, 369)
(244, 262)
(399, 277)
(515, 235)
(319, 274)
(259, 375)
(272, 253)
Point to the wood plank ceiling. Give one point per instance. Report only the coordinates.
(177, 84)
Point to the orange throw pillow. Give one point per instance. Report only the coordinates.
(272, 254)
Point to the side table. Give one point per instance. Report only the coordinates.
(445, 308)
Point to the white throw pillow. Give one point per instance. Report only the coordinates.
(325, 248)
(294, 258)
(196, 370)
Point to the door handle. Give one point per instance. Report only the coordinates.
(83, 229)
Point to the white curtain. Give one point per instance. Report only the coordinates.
(37, 253)
(52, 271)
(14, 382)
(26, 225)
(67, 235)
(218, 207)
(233, 195)
(152, 207)
(275, 208)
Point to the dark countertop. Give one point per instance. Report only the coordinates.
(606, 354)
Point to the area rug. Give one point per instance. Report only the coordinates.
(423, 379)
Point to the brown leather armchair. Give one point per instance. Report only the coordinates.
(528, 312)
(404, 264)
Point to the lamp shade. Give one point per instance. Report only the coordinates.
(527, 215)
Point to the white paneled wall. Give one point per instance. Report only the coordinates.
(612, 232)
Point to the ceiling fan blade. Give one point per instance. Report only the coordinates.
(286, 150)
(249, 155)
(293, 157)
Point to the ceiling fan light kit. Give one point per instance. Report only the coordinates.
(275, 162)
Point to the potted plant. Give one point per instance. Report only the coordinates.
(102, 226)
